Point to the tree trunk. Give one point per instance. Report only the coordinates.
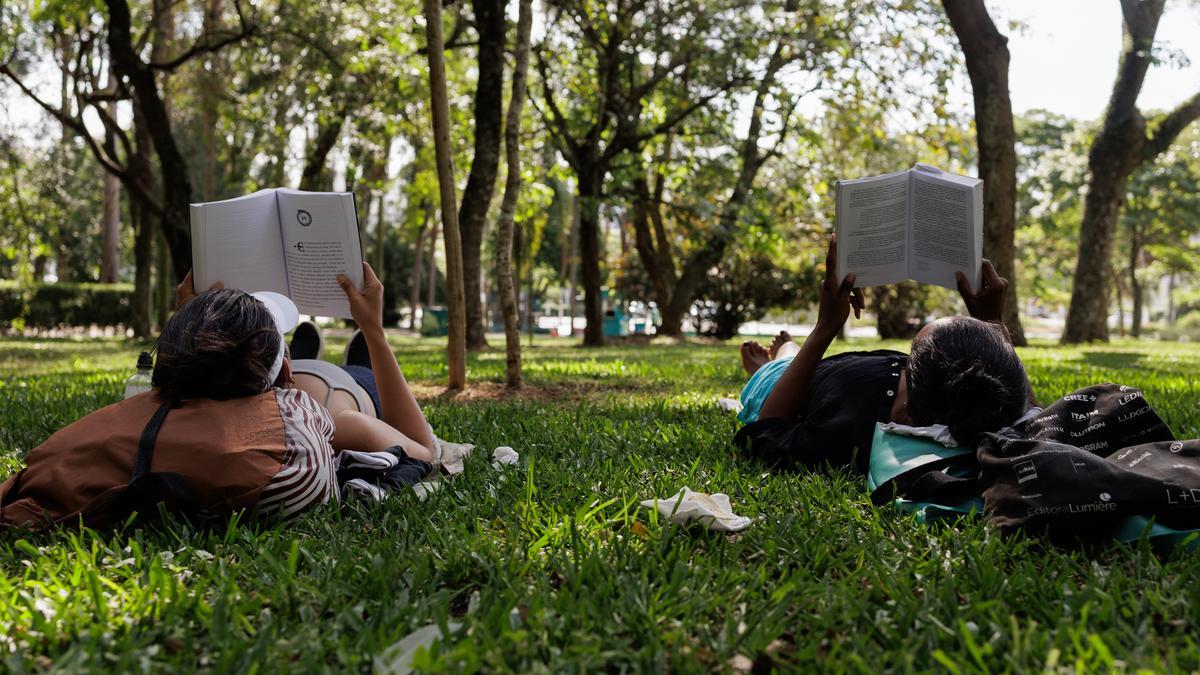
(986, 52)
(573, 263)
(176, 186)
(110, 231)
(316, 175)
(1171, 299)
(144, 228)
(62, 251)
(648, 251)
(431, 292)
(1119, 284)
(1087, 315)
(491, 26)
(380, 239)
(418, 269)
(508, 205)
(209, 95)
(456, 347)
(1136, 292)
(276, 176)
(892, 312)
(590, 187)
(1125, 141)
(366, 208)
(164, 291)
(110, 220)
(143, 253)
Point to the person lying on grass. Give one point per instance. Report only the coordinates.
(802, 409)
(224, 429)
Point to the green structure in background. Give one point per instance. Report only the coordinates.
(616, 324)
(435, 322)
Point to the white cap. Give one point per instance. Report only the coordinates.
(286, 316)
(282, 309)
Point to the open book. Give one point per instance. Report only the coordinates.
(287, 241)
(921, 224)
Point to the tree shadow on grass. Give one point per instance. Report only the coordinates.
(1113, 359)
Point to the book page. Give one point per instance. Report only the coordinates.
(947, 221)
(872, 229)
(237, 243)
(320, 241)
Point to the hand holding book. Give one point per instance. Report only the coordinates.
(988, 303)
(837, 298)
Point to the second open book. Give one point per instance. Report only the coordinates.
(287, 241)
(922, 224)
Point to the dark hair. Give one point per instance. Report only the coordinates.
(219, 345)
(964, 373)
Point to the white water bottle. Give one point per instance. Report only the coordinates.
(139, 382)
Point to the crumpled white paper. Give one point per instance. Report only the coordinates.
(448, 460)
(729, 405)
(712, 511)
(504, 456)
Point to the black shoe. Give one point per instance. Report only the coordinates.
(307, 342)
(356, 351)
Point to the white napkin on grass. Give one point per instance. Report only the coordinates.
(712, 511)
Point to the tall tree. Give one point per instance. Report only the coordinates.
(137, 79)
(985, 50)
(508, 205)
(173, 168)
(611, 59)
(675, 292)
(491, 27)
(456, 348)
(1161, 215)
(1126, 140)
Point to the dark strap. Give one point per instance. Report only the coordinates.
(146, 488)
(145, 451)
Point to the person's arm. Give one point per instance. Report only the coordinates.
(836, 302)
(396, 400)
(186, 290)
(988, 303)
(357, 431)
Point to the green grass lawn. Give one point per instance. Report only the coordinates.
(553, 567)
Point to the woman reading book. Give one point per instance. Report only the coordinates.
(803, 409)
(223, 429)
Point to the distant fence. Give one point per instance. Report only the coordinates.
(65, 304)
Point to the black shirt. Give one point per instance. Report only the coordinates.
(849, 393)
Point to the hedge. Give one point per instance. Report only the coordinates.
(65, 304)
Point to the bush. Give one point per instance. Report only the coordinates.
(1185, 329)
(65, 304)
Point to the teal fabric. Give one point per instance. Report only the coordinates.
(755, 393)
(924, 512)
(894, 454)
(1162, 537)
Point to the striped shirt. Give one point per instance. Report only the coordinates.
(308, 475)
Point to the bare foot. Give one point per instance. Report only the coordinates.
(754, 356)
(780, 340)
